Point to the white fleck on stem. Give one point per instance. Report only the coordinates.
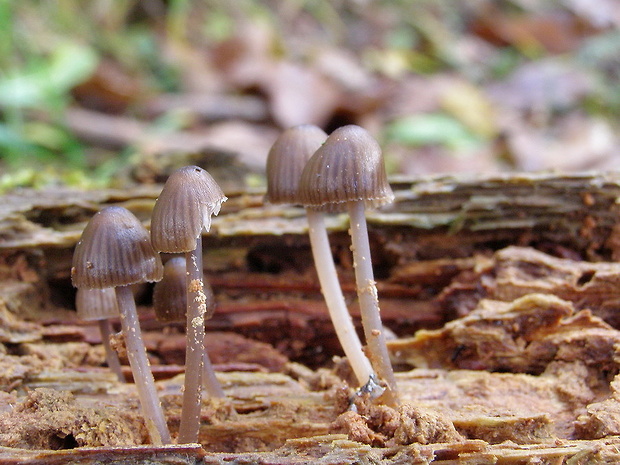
(209, 380)
(368, 299)
(105, 328)
(140, 367)
(328, 278)
(194, 353)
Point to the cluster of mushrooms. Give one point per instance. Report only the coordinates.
(342, 172)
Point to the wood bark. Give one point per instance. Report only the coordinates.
(511, 279)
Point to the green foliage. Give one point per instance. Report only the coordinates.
(42, 86)
(37, 76)
(46, 83)
(431, 129)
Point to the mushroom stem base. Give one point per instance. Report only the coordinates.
(369, 300)
(194, 353)
(140, 367)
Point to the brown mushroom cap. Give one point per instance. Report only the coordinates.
(348, 167)
(170, 294)
(185, 205)
(286, 161)
(96, 304)
(114, 250)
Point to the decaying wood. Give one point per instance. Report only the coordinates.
(334, 449)
(507, 350)
(262, 253)
(577, 212)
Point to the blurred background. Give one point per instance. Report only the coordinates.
(118, 92)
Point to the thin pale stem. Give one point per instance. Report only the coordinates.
(328, 278)
(369, 300)
(194, 353)
(211, 384)
(140, 367)
(105, 328)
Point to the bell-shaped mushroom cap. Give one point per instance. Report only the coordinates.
(114, 250)
(96, 304)
(286, 161)
(170, 294)
(348, 167)
(185, 205)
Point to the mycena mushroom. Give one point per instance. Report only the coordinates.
(184, 208)
(347, 173)
(285, 163)
(115, 251)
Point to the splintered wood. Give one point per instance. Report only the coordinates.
(503, 294)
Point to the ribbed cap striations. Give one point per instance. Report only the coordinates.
(348, 167)
(96, 304)
(185, 205)
(114, 250)
(286, 161)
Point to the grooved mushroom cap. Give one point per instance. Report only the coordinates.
(170, 294)
(286, 161)
(185, 205)
(114, 250)
(96, 304)
(348, 167)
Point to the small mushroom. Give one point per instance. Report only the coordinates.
(285, 163)
(347, 173)
(115, 251)
(100, 305)
(183, 209)
(170, 305)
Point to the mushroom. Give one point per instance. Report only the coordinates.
(100, 305)
(285, 162)
(170, 305)
(115, 251)
(347, 173)
(184, 207)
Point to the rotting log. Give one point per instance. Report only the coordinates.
(512, 278)
(576, 212)
(258, 258)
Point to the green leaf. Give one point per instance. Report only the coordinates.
(22, 91)
(431, 129)
(69, 65)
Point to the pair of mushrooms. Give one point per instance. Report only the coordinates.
(115, 251)
(342, 172)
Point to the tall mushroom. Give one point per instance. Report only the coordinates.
(100, 305)
(115, 251)
(170, 305)
(347, 173)
(184, 207)
(285, 162)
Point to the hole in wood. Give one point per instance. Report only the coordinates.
(585, 278)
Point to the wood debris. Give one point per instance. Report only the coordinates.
(507, 350)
